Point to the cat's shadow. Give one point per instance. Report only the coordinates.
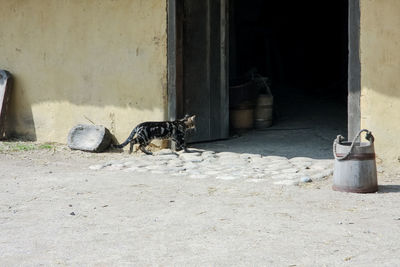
(111, 149)
(193, 150)
(183, 152)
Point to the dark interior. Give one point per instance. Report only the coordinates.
(302, 47)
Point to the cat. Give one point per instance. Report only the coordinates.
(145, 132)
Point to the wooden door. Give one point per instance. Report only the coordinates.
(204, 80)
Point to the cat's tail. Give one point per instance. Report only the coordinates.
(129, 139)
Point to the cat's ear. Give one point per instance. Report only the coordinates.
(185, 118)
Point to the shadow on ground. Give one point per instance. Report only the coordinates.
(389, 189)
(303, 127)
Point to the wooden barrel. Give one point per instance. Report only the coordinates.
(355, 165)
(242, 117)
(263, 111)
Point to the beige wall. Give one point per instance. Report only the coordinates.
(380, 75)
(74, 59)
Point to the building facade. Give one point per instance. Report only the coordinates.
(119, 62)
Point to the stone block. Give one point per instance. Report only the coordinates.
(91, 138)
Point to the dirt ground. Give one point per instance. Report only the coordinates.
(54, 210)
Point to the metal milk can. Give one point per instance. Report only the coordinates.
(355, 165)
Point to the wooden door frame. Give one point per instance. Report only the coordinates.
(354, 70)
(354, 66)
(171, 59)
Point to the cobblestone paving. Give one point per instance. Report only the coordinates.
(203, 164)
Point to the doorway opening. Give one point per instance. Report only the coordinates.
(302, 50)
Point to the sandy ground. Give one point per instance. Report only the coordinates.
(54, 210)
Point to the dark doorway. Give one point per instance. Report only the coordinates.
(301, 46)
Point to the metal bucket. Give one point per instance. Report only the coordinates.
(355, 166)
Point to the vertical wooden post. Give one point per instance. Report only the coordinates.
(5, 92)
(171, 58)
(354, 70)
(224, 124)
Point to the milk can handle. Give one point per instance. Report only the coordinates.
(340, 138)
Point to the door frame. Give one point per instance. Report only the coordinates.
(354, 66)
(354, 70)
(171, 59)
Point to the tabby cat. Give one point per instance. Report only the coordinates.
(147, 131)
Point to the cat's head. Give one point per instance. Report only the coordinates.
(189, 121)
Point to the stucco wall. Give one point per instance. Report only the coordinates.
(102, 60)
(380, 75)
